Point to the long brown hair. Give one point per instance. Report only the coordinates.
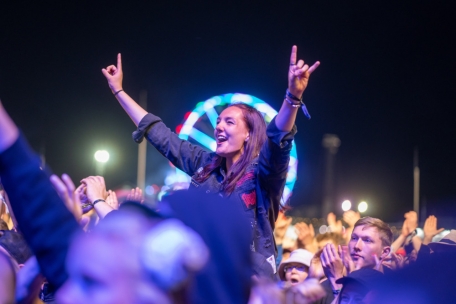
(257, 137)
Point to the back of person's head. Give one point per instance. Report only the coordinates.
(226, 278)
(328, 237)
(132, 257)
(385, 233)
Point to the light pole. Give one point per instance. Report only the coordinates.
(331, 143)
(101, 158)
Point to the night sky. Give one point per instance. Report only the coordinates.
(385, 85)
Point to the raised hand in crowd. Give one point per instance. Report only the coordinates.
(95, 191)
(394, 261)
(136, 195)
(281, 225)
(350, 217)
(112, 200)
(430, 229)
(299, 73)
(334, 224)
(67, 192)
(333, 265)
(409, 225)
(306, 236)
(114, 76)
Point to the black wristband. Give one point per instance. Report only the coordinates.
(115, 94)
(98, 200)
(291, 96)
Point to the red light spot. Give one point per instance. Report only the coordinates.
(187, 115)
(178, 129)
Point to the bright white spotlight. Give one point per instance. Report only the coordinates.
(346, 205)
(101, 156)
(362, 207)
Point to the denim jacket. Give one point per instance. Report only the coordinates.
(257, 193)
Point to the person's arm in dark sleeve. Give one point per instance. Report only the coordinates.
(43, 219)
(181, 153)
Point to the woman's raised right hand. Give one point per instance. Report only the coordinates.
(114, 75)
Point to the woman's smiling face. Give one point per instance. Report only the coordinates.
(231, 133)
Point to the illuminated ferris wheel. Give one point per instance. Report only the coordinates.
(199, 126)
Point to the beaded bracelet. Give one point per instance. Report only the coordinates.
(294, 105)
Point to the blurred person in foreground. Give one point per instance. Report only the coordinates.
(132, 256)
(429, 280)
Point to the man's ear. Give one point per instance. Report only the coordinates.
(385, 252)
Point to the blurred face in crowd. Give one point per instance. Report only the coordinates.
(296, 273)
(105, 267)
(364, 244)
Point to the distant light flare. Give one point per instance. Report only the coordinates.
(346, 205)
(362, 207)
(101, 156)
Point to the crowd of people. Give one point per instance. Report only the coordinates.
(224, 240)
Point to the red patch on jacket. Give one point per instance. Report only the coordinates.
(249, 199)
(246, 177)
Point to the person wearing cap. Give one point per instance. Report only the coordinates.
(358, 286)
(296, 268)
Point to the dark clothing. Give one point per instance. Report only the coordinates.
(44, 221)
(226, 278)
(326, 284)
(258, 192)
